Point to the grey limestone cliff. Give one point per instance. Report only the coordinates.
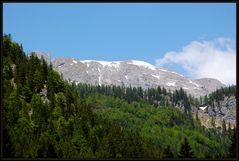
(133, 72)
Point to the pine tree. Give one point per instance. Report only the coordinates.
(224, 128)
(39, 111)
(200, 100)
(186, 151)
(197, 118)
(51, 153)
(167, 153)
(44, 70)
(205, 100)
(38, 80)
(232, 149)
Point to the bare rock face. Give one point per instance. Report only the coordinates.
(135, 73)
(222, 110)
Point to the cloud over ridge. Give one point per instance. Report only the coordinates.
(211, 59)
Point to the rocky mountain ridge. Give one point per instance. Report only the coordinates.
(133, 73)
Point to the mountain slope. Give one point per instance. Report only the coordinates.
(209, 84)
(133, 73)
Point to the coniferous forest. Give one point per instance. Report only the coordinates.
(45, 116)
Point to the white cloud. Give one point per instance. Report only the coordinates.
(211, 59)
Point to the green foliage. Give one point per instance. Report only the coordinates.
(220, 93)
(46, 117)
(168, 153)
(185, 150)
(232, 149)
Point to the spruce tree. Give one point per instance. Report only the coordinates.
(38, 80)
(185, 150)
(232, 149)
(167, 153)
(224, 128)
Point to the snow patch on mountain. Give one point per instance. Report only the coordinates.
(100, 80)
(163, 70)
(114, 64)
(86, 61)
(74, 61)
(156, 76)
(177, 74)
(142, 63)
(170, 83)
(203, 107)
(194, 83)
(110, 64)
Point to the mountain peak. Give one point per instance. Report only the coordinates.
(135, 73)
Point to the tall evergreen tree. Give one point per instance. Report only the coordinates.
(185, 150)
(224, 128)
(167, 153)
(233, 146)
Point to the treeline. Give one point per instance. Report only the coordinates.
(219, 94)
(46, 117)
(154, 96)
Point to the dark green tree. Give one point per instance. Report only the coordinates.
(167, 153)
(38, 80)
(233, 146)
(185, 150)
(224, 128)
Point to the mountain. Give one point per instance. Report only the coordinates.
(47, 117)
(133, 73)
(142, 74)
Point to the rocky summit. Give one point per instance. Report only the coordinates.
(133, 73)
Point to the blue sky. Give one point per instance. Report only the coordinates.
(118, 31)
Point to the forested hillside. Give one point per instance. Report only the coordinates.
(44, 116)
